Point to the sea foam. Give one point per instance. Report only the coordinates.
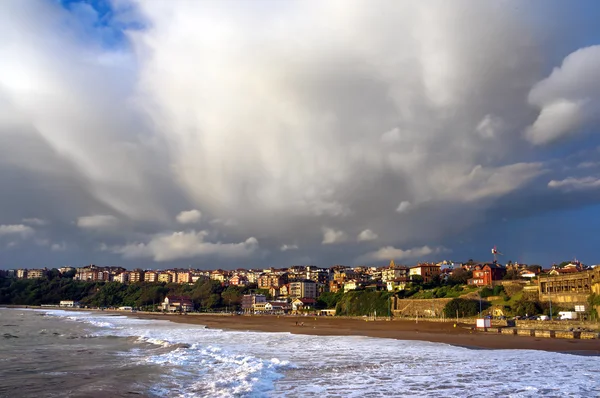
(202, 362)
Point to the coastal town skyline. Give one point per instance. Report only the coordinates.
(297, 132)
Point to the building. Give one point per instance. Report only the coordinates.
(136, 276)
(396, 284)
(487, 275)
(393, 272)
(177, 304)
(426, 271)
(563, 271)
(249, 300)
(303, 289)
(343, 275)
(184, 277)
(569, 288)
(123, 277)
(22, 273)
(165, 277)
(36, 273)
(277, 307)
(69, 304)
(303, 304)
(319, 275)
(64, 270)
(218, 275)
(238, 280)
(268, 280)
(150, 276)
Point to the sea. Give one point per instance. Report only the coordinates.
(55, 353)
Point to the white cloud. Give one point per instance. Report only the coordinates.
(555, 120)
(228, 222)
(34, 221)
(392, 253)
(97, 222)
(568, 99)
(181, 245)
(575, 184)
(391, 136)
(189, 217)
(490, 126)
(587, 165)
(331, 236)
(286, 247)
(367, 235)
(16, 229)
(489, 182)
(403, 207)
(58, 247)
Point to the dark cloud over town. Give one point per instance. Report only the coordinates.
(277, 133)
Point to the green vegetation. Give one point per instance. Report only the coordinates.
(441, 292)
(363, 302)
(488, 292)
(594, 302)
(329, 299)
(465, 307)
(207, 295)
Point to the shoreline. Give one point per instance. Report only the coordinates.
(434, 332)
(407, 330)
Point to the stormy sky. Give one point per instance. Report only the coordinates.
(271, 133)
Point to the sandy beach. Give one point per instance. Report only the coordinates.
(439, 332)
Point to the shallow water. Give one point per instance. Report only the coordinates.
(119, 355)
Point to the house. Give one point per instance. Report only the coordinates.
(563, 271)
(396, 284)
(486, 275)
(303, 304)
(259, 307)
(69, 304)
(177, 304)
(527, 274)
(277, 307)
(426, 271)
(393, 272)
(238, 280)
(334, 286)
(351, 285)
(218, 275)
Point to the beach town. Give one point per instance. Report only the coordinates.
(516, 299)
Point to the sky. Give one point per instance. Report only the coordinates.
(234, 134)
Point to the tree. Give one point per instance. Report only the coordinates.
(527, 308)
(232, 296)
(329, 299)
(459, 277)
(512, 274)
(534, 268)
(465, 307)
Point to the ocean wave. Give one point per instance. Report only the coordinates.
(200, 362)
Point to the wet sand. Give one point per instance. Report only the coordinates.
(438, 332)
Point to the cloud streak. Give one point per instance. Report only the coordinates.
(184, 245)
(315, 123)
